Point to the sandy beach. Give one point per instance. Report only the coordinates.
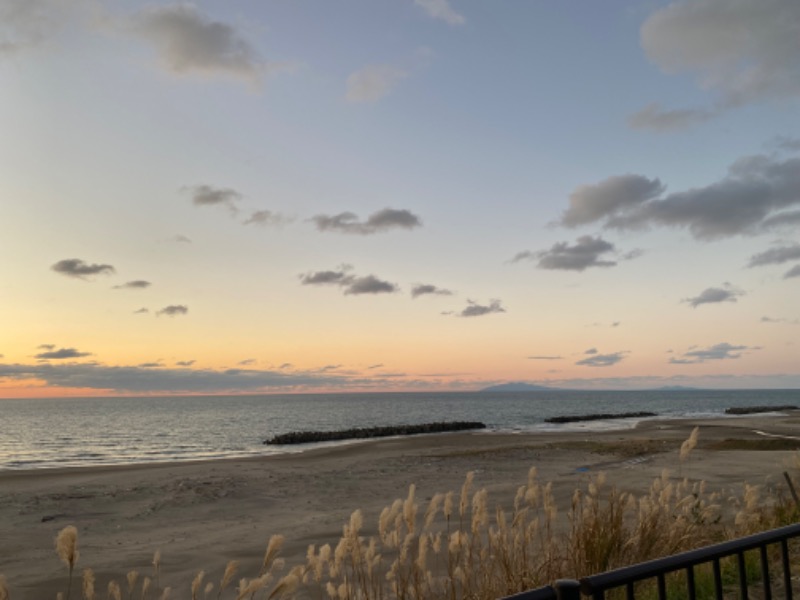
(200, 515)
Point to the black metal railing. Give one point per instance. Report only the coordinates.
(596, 586)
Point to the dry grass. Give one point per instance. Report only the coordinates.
(460, 546)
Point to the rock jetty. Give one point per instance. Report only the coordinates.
(598, 417)
(306, 437)
(751, 410)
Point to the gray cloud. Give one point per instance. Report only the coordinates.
(716, 352)
(744, 52)
(751, 198)
(181, 239)
(655, 118)
(60, 354)
(787, 143)
(264, 218)
(340, 277)
(141, 311)
(206, 195)
(137, 379)
(473, 309)
(424, 289)
(173, 310)
(584, 254)
(591, 351)
(25, 24)
(75, 267)
(137, 284)
(185, 363)
(372, 83)
(246, 361)
(545, 357)
(773, 320)
(369, 284)
(189, 42)
(775, 256)
(793, 272)
(601, 360)
(383, 220)
(590, 203)
(727, 293)
(149, 365)
(441, 9)
(45, 346)
(353, 285)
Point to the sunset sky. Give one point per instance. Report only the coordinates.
(375, 195)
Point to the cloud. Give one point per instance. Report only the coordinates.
(26, 24)
(601, 360)
(133, 379)
(185, 363)
(591, 351)
(749, 199)
(141, 311)
(60, 354)
(138, 284)
(743, 51)
(727, 293)
(75, 267)
(45, 346)
(353, 285)
(173, 310)
(149, 365)
(206, 195)
(545, 357)
(383, 220)
(441, 9)
(180, 239)
(376, 366)
(473, 309)
(716, 352)
(246, 361)
(264, 218)
(372, 83)
(188, 42)
(775, 256)
(589, 203)
(793, 272)
(584, 254)
(655, 118)
(784, 142)
(369, 284)
(424, 289)
(773, 320)
(340, 277)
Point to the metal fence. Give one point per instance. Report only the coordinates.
(774, 578)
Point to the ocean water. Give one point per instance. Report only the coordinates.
(70, 432)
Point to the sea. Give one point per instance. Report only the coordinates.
(82, 432)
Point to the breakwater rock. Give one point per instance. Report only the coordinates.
(306, 437)
(598, 417)
(751, 410)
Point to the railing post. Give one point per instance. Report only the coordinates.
(568, 589)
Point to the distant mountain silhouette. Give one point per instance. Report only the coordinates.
(518, 387)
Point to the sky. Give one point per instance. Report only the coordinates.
(395, 195)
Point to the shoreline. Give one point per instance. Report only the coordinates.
(200, 514)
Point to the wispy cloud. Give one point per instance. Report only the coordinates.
(754, 196)
(372, 83)
(189, 42)
(721, 351)
(173, 310)
(351, 284)
(545, 357)
(714, 295)
(793, 272)
(75, 267)
(775, 256)
(743, 52)
(60, 354)
(265, 218)
(473, 309)
(207, 195)
(595, 359)
(185, 363)
(426, 289)
(585, 253)
(141, 311)
(137, 284)
(442, 10)
(383, 220)
(780, 320)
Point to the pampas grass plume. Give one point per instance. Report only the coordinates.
(689, 445)
(227, 576)
(145, 587)
(4, 595)
(67, 550)
(114, 591)
(88, 584)
(196, 583)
